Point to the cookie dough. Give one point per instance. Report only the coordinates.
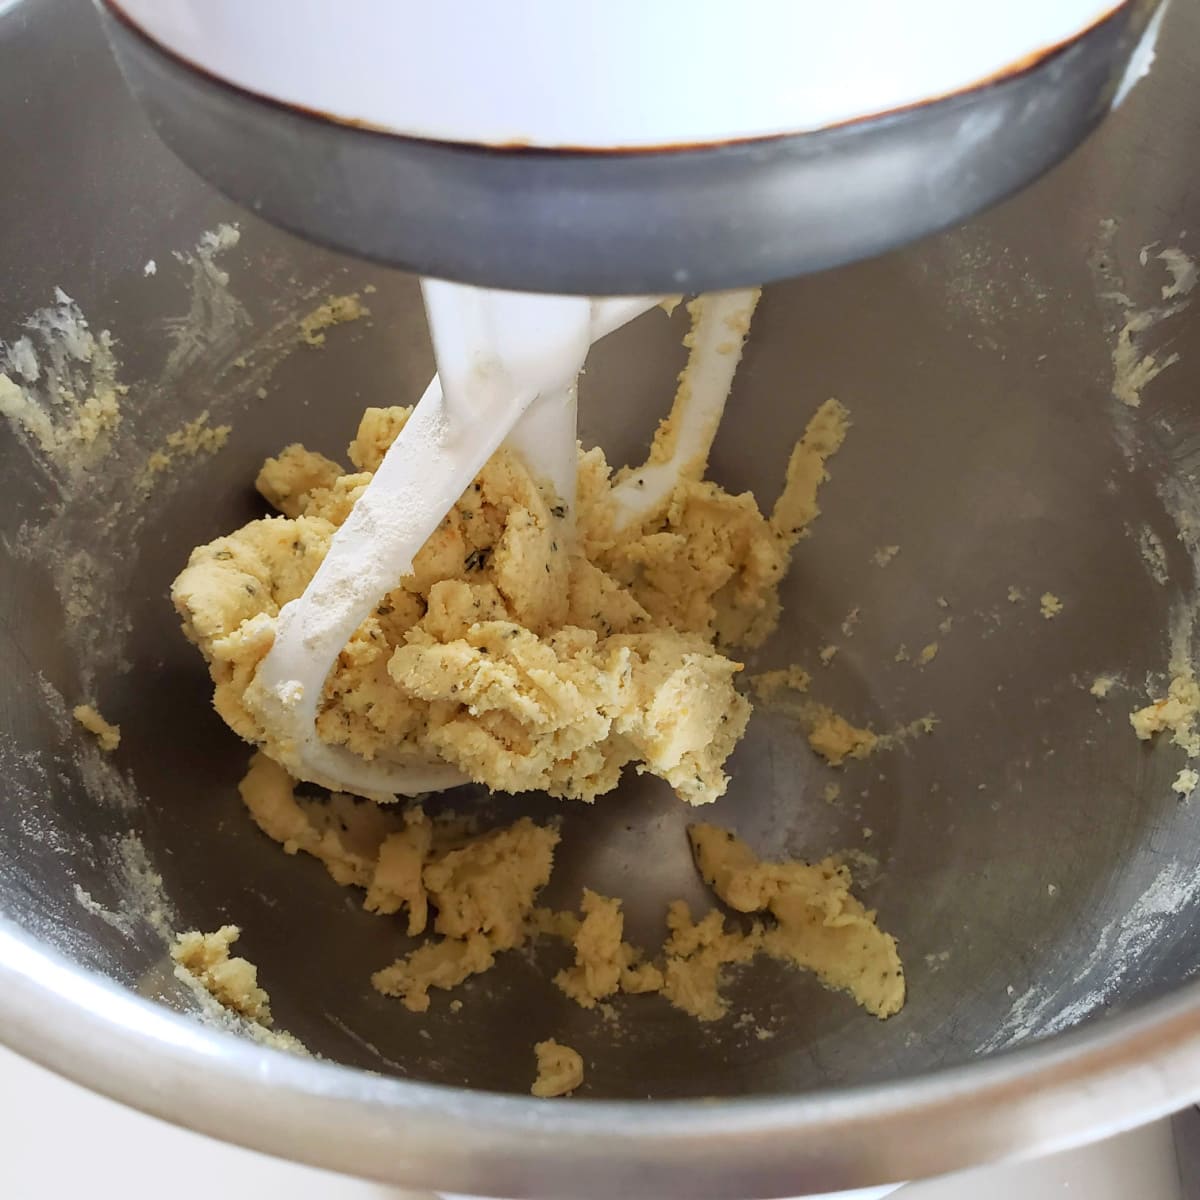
(107, 735)
(559, 1070)
(1185, 782)
(818, 924)
(605, 963)
(336, 310)
(834, 738)
(1050, 605)
(1175, 713)
(197, 437)
(483, 893)
(829, 734)
(475, 890)
(204, 958)
(227, 988)
(535, 648)
(527, 655)
(476, 894)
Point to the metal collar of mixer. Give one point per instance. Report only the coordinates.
(634, 222)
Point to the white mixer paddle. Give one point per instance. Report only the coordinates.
(546, 437)
(720, 323)
(498, 353)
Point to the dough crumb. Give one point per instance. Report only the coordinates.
(228, 988)
(1015, 595)
(559, 1070)
(903, 734)
(107, 735)
(604, 963)
(927, 655)
(818, 924)
(1102, 685)
(289, 480)
(695, 955)
(884, 555)
(831, 792)
(850, 621)
(204, 958)
(773, 687)
(830, 735)
(827, 654)
(336, 310)
(195, 438)
(1050, 605)
(1175, 712)
(835, 739)
(483, 893)
(1185, 782)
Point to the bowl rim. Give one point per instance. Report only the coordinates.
(1069, 1088)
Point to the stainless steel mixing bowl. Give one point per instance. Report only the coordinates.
(1032, 858)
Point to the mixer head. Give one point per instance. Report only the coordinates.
(625, 148)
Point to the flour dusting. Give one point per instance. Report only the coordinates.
(1117, 958)
(1135, 363)
(59, 389)
(209, 332)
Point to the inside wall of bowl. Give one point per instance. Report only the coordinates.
(1030, 855)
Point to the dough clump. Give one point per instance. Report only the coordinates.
(559, 1069)
(204, 958)
(228, 986)
(475, 896)
(1175, 713)
(529, 650)
(107, 735)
